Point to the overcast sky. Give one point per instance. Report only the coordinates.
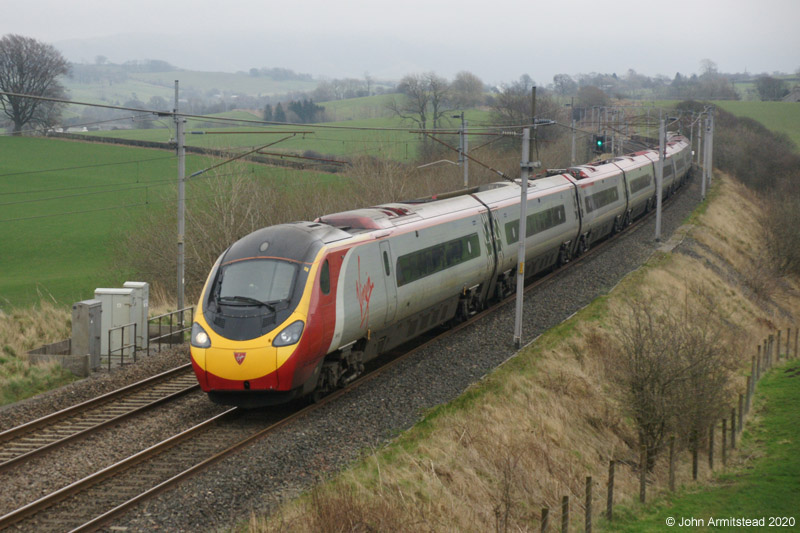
(498, 40)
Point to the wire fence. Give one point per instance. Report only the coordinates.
(769, 353)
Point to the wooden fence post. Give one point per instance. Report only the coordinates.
(758, 364)
(796, 333)
(565, 514)
(588, 519)
(672, 463)
(749, 392)
(733, 428)
(610, 499)
(778, 351)
(642, 472)
(724, 441)
(545, 519)
(741, 412)
(711, 447)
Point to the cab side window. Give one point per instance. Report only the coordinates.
(325, 278)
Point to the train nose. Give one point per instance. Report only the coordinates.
(242, 368)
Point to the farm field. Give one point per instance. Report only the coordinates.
(783, 117)
(119, 85)
(349, 137)
(765, 485)
(65, 203)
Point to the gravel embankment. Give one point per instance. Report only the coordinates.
(327, 440)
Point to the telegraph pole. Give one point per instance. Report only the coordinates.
(572, 154)
(525, 165)
(464, 141)
(710, 145)
(180, 138)
(662, 141)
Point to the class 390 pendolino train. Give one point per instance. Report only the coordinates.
(296, 310)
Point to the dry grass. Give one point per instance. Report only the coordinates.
(22, 330)
(533, 431)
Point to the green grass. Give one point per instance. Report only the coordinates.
(143, 85)
(356, 133)
(783, 117)
(63, 203)
(768, 485)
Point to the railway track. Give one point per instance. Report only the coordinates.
(96, 500)
(47, 433)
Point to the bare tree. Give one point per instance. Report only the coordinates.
(426, 97)
(564, 84)
(673, 364)
(30, 67)
(467, 90)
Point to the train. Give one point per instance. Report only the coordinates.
(296, 310)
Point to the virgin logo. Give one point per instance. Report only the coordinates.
(363, 293)
(239, 356)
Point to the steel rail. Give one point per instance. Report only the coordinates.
(15, 436)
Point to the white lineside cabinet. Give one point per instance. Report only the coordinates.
(141, 297)
(118, 310)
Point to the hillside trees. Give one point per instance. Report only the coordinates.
(672, 363)
(30, 67)
(467, 90)
(425, 99)
(770, 88)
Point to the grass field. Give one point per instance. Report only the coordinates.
(64, 203)
(765, 485)
(358, 132)
(783, 117)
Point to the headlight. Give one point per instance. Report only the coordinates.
(289, 335)
(200, 337)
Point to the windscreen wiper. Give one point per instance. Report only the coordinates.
(247, 300)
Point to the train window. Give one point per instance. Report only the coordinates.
(640, 183)
(386, 262)
(428, 261)
(601, 199)
(325, 278)
(537, 223)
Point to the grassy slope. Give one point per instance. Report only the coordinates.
(782, 117)
(766, 481)
(143, 86)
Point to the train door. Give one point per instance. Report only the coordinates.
(390, 283)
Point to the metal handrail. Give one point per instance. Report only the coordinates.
(123, 346)
(174, 328)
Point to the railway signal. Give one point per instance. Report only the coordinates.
(599, 143)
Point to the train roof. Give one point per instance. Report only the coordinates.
(392, 215)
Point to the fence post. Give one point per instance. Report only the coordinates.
(796, 333)
(610, 499)
(758, 365)
(778, 351)
(565, 514)
(724, 441)
(588, 520)
(741, 412)
(642, 472)
(711, 447)
(672, 463)
(545, 519)
(749, 393)
(695, 454)
(733, 428)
